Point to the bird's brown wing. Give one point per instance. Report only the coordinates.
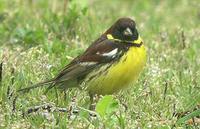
(103, 52)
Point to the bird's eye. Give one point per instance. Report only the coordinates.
(127, 32)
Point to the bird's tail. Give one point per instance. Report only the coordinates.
(40, 84)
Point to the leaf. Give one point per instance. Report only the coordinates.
(106, 106)
(81, 3)
(189, 116)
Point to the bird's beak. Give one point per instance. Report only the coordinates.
(138, 40)
(128, 32)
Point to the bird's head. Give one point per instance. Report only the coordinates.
(124, 29)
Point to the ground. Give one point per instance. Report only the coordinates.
(39, 37)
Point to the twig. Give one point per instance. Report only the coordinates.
(51, 108)
(48, 106)
(14, 103)
(183, 39)
(1, 71)
(9, 90)
(12, 74)
(174, 110)
(165, 90)
(182, 114)
(9, 93)
(90, 111)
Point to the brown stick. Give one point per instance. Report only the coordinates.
(183, 39)
(1, 71)
(65, 6)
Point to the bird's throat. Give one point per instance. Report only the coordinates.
(135, 43)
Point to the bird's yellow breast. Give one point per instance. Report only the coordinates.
(121, 74)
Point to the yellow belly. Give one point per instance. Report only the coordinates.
(120, 74)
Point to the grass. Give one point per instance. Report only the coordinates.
(38, 38)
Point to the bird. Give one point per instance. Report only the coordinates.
(111, 63)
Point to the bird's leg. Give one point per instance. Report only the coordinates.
(73, 110)
(122, 102)
(65, 95)
(91, 107)
(93, 101)
(56, 92)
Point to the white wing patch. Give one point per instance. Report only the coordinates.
(111, 53)
(88, 63)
